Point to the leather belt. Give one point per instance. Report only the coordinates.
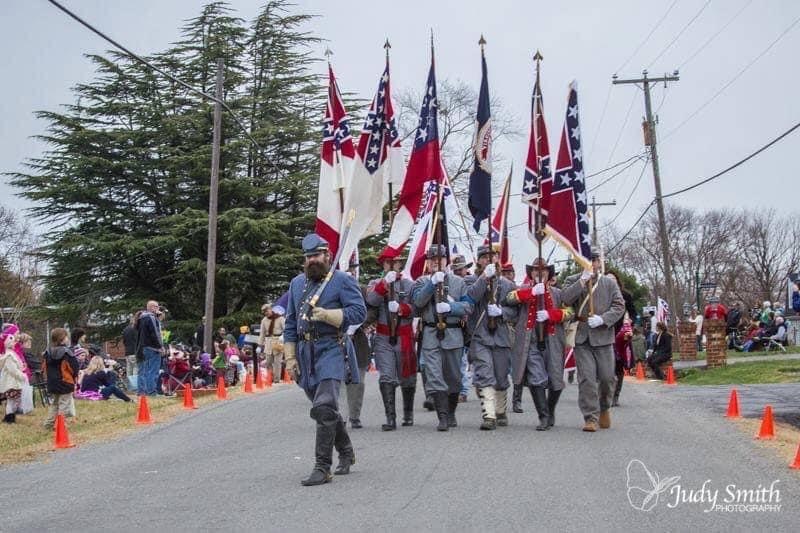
(435, 325)
(309, 337)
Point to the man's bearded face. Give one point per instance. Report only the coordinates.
(436, 264)
(317, 266)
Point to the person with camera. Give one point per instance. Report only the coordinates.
(150, 349)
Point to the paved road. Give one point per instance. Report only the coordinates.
(701, 363)
(237, 465)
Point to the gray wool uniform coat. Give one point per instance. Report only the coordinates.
(489, 352)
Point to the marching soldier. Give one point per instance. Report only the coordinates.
(269, 340)
(393, 343)
(319, 353)
(490, 344)
(358, 335)
(594, 354)
(441, 303)
(539, 360)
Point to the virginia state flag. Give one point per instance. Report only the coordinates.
(336, 166)
(480, 181)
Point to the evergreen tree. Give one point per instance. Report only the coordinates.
(125, 182)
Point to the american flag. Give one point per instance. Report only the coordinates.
(662, 311)
(568, 221)
(538, 179)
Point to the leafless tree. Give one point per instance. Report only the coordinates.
(19, 265)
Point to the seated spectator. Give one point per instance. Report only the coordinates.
(638, 344)
(97, 379)
(662, 350)
(177, 368)
(203, 371)
(780, 331)
(754, 332)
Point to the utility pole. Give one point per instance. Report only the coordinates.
(650, 140)
(595, 204)
(211, 261)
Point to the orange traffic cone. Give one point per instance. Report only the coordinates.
(248, 384)
(222, 394)
(61, 437)
(767, 430)
(260, 380)
(796, 464)
(188, 400)
(639, 371)
(143, 416)
(671, 376)
(269, 377)
(733, 405)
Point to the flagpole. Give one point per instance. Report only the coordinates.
(537, 57)
(387, 46)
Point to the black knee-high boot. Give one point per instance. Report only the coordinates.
(327, 420)
(540, 401)
(516, 399)
(452, 399)
(388, 395)
(552, 401)
(343, 445)
(408, 405)
(620, 372)
(440, 400)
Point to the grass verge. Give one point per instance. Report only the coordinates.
(28, 440)
(755, 372)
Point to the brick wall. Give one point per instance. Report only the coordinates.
(715, 343)
(687, 342)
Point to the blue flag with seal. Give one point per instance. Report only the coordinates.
(480, 180)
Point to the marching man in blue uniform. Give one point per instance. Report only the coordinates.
(319, 353)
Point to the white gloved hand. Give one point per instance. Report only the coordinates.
(494, 310)
(259, 350)
(393, 306)
(542, 315)
(490, 270)
(585, 275)
(442, 308)
(538, 289)
(390, 277)
(595, 321)
(437, 277)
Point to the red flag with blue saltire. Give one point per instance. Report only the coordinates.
(568, 220)
(538, 179)
(336, 166)
(500, 224)
(424, 165)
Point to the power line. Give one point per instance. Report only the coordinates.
(602, 117)
(738, 163)
(616, 244)
(686, 27)
(169, 76)
(633, 162)
(622, 129)
(633, 190)
(732, 80)
(714, 36)
(652, 31)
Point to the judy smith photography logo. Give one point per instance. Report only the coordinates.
(646, 489)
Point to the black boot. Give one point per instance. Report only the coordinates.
(540, 401)
(387, 393)
(552, 401)
(347, 456)
(327, 419)
(408, 405)
(10, 418)
(440, 400)
(516, 399)
(618, 388)
(452, 401)
(428, 404)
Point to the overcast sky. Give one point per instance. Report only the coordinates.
(584, 40)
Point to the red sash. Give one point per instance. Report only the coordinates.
(405, 334)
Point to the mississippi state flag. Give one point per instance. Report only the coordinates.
(568, 221)
(430, 220)
(424, 165)
(538, 180)
(500, 223)
(336, 166)
(379, 161)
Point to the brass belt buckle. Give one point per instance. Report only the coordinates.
(307, 336)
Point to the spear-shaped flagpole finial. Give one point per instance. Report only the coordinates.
(328, 54)
(538, 58)
(482, 42)
(386, 47)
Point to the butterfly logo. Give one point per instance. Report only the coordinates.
(644, 487)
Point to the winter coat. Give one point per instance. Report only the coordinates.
(62, 370)
(11, 375)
